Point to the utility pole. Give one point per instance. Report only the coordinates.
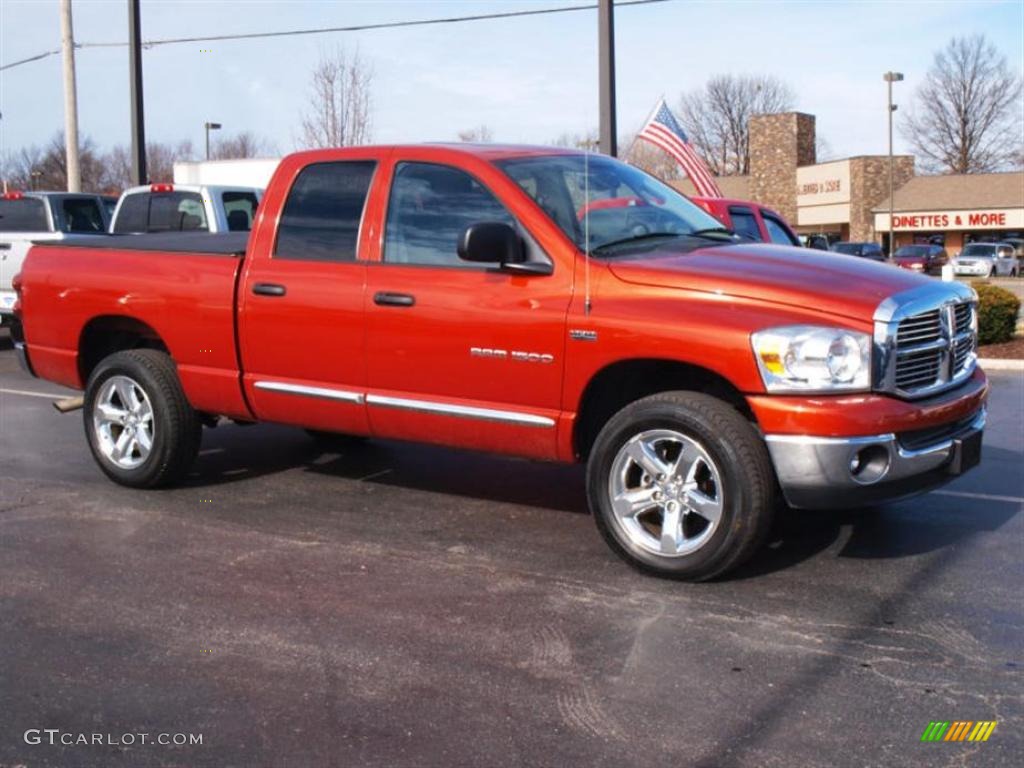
(139, 175)
(890, 78)
(67, 35)
(606, 79)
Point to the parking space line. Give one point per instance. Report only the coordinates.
(982, 496)
(32, 394)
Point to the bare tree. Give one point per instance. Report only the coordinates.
(577, 140)
(482, 134)
(967, 113)
(716, 117)
(340, 102)
(241, 145)
(160, 160)
(45, 167)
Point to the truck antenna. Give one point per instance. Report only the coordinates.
(586, 226)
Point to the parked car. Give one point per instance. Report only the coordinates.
(928, 259)
(28, 216)
(817, 242)
(749, 220)
(185, 207)
(451, 294)
(871, 251)
(1018, 251)
(987, 260)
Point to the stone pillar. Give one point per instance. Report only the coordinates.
(869, 188)
(778, 144)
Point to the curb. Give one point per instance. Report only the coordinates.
(997, 364)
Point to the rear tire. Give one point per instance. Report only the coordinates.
(681, 486)
(141, 429)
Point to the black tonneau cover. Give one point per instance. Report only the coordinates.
(221, 244)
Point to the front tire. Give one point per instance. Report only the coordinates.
(681, 486)
(141, 429)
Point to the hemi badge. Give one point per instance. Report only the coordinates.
(580, 335)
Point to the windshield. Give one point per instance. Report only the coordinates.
(912, 251)
(979, 250)
(621, 202)
(850, 248)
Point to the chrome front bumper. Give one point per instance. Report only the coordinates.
(845, 472)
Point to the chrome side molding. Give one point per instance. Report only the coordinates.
(321, 392)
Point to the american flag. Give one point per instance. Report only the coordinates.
(663, 130)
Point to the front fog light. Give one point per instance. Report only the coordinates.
(807, 358)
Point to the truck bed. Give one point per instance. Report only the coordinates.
(223, 244)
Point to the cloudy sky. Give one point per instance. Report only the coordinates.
(528, 79)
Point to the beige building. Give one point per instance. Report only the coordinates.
(955, 210)
(848, 199)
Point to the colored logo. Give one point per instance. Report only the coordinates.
(958, 730)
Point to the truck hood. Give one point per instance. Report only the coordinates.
(801, 277)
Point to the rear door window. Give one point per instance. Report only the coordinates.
(23, 214)
(133, 214)
(239, 210)
(744, 223)
(177, 212)
(82, 215)
(323, 212)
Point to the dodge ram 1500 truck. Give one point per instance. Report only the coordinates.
(491, 298)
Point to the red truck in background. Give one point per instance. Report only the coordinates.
(750, 220)
(492, 298)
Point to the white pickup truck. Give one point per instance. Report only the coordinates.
(185, 207)
(35, 216)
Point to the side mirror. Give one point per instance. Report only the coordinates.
(492, 242)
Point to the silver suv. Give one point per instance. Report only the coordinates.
(986, 260)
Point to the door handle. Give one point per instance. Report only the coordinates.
(269, 289)
(385, 299)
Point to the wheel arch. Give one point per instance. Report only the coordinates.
(106, 334)
(616, 385)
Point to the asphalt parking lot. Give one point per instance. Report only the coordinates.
(397, 605)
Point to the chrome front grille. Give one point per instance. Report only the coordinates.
(925, 340)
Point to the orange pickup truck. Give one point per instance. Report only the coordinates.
(527, 301)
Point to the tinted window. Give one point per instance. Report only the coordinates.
(321, 216)
(26, 214)
(239, 208)
(133, 214)
(430, 207)
(744, 223)
(977, 249)
(81, 215)
(177, 212)
(850, 249)
(776, 232)
(912, 251)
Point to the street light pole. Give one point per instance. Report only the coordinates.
(210, 127)
(890, 78)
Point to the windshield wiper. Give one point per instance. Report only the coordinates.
(713, 233)
(634, 239)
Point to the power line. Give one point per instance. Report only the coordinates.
(352, 28)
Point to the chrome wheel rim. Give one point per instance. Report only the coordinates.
(122, 419)
(666, 493)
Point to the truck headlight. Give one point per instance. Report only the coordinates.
(804, 358)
